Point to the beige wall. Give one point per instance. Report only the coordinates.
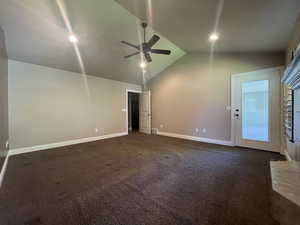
(48, 105)
(293, 149)
(3, 100)
(194, 92)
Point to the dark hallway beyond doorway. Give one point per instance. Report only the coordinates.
(133, 111)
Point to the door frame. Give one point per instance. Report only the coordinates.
(127, 91)
(149, 113)
(232, 126)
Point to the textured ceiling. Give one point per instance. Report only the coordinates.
(244, 25)
(37, 33)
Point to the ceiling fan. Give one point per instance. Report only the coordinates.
(146, 47)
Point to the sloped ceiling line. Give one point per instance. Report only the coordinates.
(36, 34)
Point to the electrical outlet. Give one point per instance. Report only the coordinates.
(228, 108)
(96, 130)
(204, 130)
(161, 126)
(197, 130)
(124, 110)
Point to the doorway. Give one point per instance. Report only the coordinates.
(133, 112)
(138, 111)
(255, 117)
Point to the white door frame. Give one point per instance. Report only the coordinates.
(127, 91)
(233, 131)
(142, 113)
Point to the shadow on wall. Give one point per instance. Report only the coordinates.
(3, 101)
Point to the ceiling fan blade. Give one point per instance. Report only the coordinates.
(161, 51)
(127, 56)
(148, 57)
(131, 45)
(153, 40)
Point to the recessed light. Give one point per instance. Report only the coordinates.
(213, 37)
(73, 38)
(143, 65)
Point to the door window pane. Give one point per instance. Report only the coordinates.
(255, 110)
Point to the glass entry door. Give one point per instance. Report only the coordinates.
(256, 109)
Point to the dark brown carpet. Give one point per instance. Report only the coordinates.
(138, 180)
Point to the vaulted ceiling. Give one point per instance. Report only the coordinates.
(244, 25)
(37, 32)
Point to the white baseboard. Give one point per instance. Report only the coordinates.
(3, 170)
(64, 143)
(194, 138)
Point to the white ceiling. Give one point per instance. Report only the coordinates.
(244, 25)
(36, 33)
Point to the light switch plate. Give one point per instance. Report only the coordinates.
(228, 108)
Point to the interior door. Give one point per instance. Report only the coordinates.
(256, 109)
(145, 112)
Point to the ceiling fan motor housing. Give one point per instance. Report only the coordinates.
(145, 47)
